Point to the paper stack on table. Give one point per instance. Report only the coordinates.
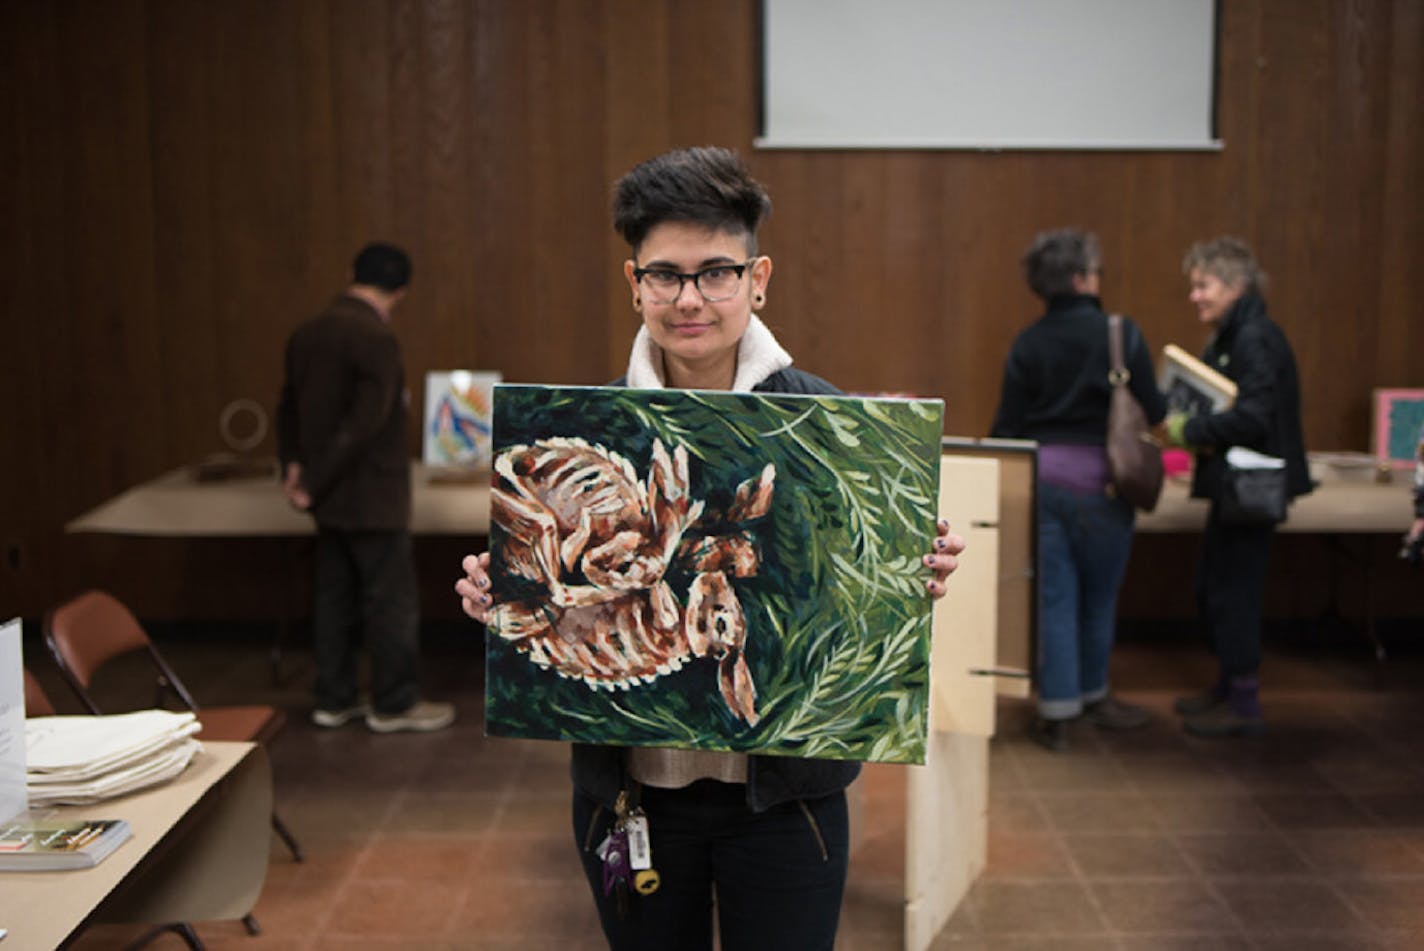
(87, 759)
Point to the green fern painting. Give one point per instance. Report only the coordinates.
(715, 571)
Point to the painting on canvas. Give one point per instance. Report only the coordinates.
(1399, 417)
(716, 571)
(457, 418)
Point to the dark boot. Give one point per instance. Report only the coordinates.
(1239, 715)
(1203, 700)
(1050, 734)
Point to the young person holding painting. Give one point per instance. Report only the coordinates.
(768, 834)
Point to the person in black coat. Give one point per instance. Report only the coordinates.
(1056, 391)
(1227, 289)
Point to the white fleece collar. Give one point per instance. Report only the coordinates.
(758, 357)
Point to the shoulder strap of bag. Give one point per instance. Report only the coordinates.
(1118, 373)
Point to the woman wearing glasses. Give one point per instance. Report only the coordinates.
(769, 834)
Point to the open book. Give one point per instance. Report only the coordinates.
(40, 845)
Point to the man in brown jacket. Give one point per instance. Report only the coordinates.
(343, 445)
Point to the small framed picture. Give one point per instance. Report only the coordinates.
(1399, 419)
(457, 418)
(1191, 386)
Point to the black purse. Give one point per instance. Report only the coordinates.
(1251, 496)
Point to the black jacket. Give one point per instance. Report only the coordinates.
(1056, 387)
(1253, 352)
(342, 415)
(600, 771)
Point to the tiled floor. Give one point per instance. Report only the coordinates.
(1309, 838)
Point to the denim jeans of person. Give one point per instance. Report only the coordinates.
(778, 875)
(365, 592)
(1084, 539)
(1231, 591)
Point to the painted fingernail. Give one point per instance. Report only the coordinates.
(484, 599)
(929, 561)
(939, 543)
(483, 582)
(944, 524)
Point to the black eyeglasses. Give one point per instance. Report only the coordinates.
(716, 283)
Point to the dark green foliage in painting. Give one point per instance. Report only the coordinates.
(837, 616)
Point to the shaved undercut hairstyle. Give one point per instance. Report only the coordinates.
(705, 186)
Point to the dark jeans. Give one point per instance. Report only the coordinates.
(1231, 589)
(1084, 539)
(365, 590)
(778, 875)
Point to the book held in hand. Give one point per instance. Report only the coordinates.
(41, 845)
(1191, 386)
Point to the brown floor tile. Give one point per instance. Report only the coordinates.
(1164, 907)
(1026, 943)
(1339, 942)
(1099, 812)
(538, 912)
(1152, 773)
(1207, 813)
(1314, 811)
(1022, 855)
(1048, 909)
(1126, 855)
(1293, 906)
(369, 909)
(1395, 810)
(452, 813)
(1242, 854)
(1356, 854)
(1397, 905)
(1179, 942)
(1371, 768)
(415, 859)
(1016, 812)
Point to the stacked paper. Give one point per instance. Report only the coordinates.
(86, 759)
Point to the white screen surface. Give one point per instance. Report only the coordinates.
(992, 74)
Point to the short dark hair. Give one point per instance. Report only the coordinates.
(1230, 260)
(382, 265)
(708, 186)
(1055, 257)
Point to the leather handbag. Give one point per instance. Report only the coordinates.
(1134, 459)
(1253, 495)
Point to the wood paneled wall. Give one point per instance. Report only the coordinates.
(185, 180)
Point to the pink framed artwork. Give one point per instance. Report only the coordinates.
(1398, 419)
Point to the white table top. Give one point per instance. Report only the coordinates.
(1335, 507)
(40, 909)
(177, 505)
